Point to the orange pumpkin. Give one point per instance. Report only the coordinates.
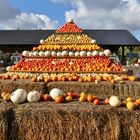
(132, 78)
(34, 79)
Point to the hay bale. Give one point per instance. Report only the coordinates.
(6, 118)
(71, 121)
(10, 86)
(2, 120)
(102, 89)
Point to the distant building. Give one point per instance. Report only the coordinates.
(19, 40)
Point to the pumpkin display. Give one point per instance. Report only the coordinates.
(82, 53)
(59, 54)
(35, 53)
(40, 78)
(68, 50)
(89, 53)
(25, 53)
(95, 53)
(101, 54)
(83, 64)
(77, 54)
(71, 54)
(67, 55)
(8, 68)
(6, 97)
(59, 99)
(33, 96)
(69, 46)
(53, 53)
(41, 53)
(70, 26)
(64, 53)
(114, 101)
(47, 53)
(107, 52)
(18, 96)
(55, 92)
(41, 41)
(31, 54)
(130, 105)
(93, 41)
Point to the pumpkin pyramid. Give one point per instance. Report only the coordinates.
(69, 27)
(68, 37)
(63, 53)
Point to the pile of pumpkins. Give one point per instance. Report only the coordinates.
(20, 96)
(70, 26)
(72, 47)
(105, 53)
(66, 38)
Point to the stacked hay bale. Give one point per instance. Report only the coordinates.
(68, 56)
(71, 121)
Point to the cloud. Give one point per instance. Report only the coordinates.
(12, 18)
(99, 14)
(29, 21)
(7, 11)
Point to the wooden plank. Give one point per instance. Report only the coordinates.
(84, 72)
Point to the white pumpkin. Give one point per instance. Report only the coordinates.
(70, 20)
(101, 54)
(83, 53)
(56, 92)
(77, 54)
(35, 53)
(64, 53)
(18, 96)
(25, 53)
(47, 53)
(8, 68)
(71, 54)
(33, 96)
(40, 78)
(41, 41)
(41, 53)
(107, 52)
(95, 53)
(93, 41)
(59, 54)
(53, 53)
(89, 53)
(31, 54)
(114, 101)
(124, 69)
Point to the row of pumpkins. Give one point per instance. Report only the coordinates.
(20, 96)
(106, 52)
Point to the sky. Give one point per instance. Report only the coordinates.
(87, 14)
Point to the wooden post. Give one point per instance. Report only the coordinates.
(122, 54)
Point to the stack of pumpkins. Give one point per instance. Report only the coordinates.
(65, 47)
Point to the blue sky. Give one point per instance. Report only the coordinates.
(51, 9)
(88, 14)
